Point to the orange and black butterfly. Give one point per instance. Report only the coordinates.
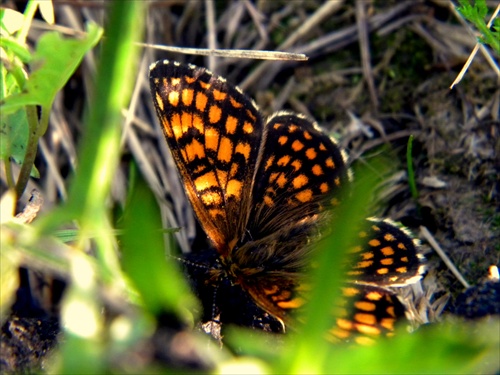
(259, 190)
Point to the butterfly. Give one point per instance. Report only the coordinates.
(261, 190)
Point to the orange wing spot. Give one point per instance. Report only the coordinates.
(357, 249)
(198, 124)
(367, 330)
(317, 170)
(269, 162)
(282, 140)
(187, 96)
(175, 81)
(366, 255)
(190, 79)
(201, 101)
(365, 306)
(374, 296)
(323, 187)
(217, 213)
(404, 259)
(159, 101)
(268, 201)
(283, 295)
(243, 149)
(336, 181)
(274, 288)
(322, 147)
(311, 153)
(387, 261)
(329, 163)
(296, 164)
(364, 264)
(199, 169)
(402, 270)
(388, 324)
(387, 251)
(369, 319)
(234, 169)
(167, 128)
(292, 304)
(247, 127)
(204, 85)
(300, 181)
(195, 150)
(225, 150)
(273, 176)
(210, 198)
(187, 121)
(219, 95)
(401, 246)
(375, 228)
(211, 138)
(231, 124)
(350, 292)
(292, 128)
(251, 115)
(307, 135)
(281, 181)
(339, 334)
(206, 181)
(173, 98)
(297, 145)
(214, 114)
(233, 188)
(277, 126)
(176, 124)
(374, 243)
(222, 177)
(235, 103)
(390, 311)
(345, 324)
(389, 237)
(283, 161)
(364, 341)
(304, 195)
(184, 154)
(383, 271)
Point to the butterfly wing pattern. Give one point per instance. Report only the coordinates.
(261, 189)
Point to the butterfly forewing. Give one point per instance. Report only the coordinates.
(214, 133)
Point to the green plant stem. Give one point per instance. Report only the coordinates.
(411, 172)
(8, 173)
(487, 36)
(31, 148)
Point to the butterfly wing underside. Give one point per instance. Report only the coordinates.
(214, 133)
(299, 171)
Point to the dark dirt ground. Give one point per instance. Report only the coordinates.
(377, 72)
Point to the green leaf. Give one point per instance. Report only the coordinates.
(156, 277)
(19, 50)
(54, 61)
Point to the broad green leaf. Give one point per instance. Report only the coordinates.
(54, 61)
(144, 260)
